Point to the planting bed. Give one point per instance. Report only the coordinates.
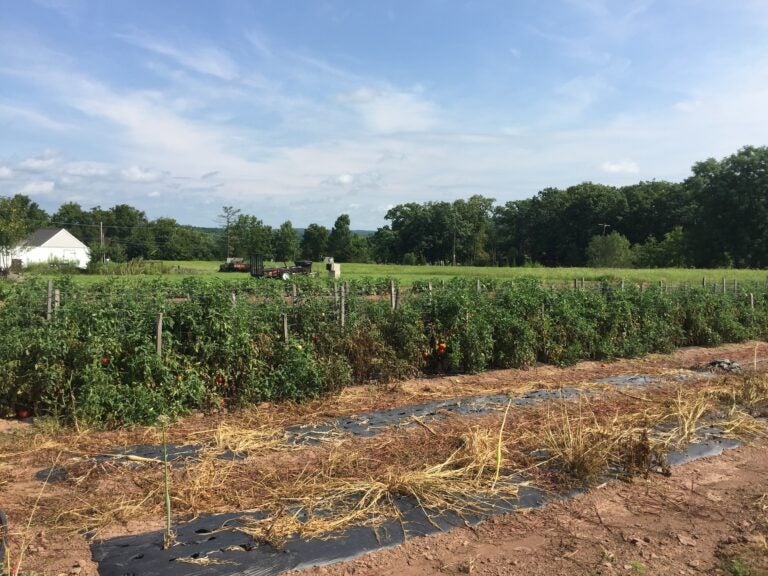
(418, 458)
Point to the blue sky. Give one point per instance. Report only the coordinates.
(303, 110)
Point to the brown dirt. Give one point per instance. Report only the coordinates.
(708, 513)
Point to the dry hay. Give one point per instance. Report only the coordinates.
(449, 464)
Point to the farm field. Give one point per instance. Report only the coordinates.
(407, 275)
(307, 422)
(545, 428)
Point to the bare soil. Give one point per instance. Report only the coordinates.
(709, 517)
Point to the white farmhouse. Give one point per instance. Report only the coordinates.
(49, 245)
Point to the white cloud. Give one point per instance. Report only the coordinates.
(87, 169)
(620, 167)
(388, 111)
(40, 163)
(37, 187)
(5, 172)
(688, 105)
(138, 174)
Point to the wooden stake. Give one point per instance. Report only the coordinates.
(392, 294)
(343, 315)
(50, 300)
(56, 301)
(285, 327)
(159, 335)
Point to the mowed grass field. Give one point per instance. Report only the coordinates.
(407, 275)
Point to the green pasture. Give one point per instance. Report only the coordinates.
(407, 275)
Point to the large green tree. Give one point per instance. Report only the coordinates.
(730, 224)
(250, 236)
(285, 241)
(314, 242)
(340, 239)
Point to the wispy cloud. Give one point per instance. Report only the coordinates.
(11, 114)
(202, 59)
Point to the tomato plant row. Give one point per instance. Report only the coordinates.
(97, 361)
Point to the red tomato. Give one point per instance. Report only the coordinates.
(425, 355)
(219, 379)
(105, 361)
(22, 414)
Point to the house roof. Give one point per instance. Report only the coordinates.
(44, 235)
(41, 236)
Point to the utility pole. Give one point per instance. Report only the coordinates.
(101, 242)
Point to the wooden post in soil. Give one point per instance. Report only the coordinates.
(574, 284)
(392, 294)
(159, 335)
(479, 287)
(295, 293)
(56, 301)
(723, 284)
(397, 297)
(703, 281)
(735, 287)
(622, 284)
(50, 300)
(429, 288)
(751, 300)
(234, 299)
(343, 310)
(284, 317)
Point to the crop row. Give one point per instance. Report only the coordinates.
(97, 358)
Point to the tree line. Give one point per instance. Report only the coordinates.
(718, 217)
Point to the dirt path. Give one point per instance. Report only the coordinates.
(709, 517)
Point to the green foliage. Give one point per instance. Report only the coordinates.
(611, 251)
(96, 360)
(314, 242)
(286, 242)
